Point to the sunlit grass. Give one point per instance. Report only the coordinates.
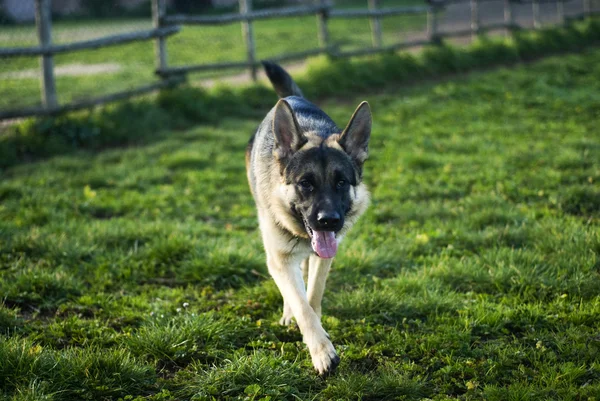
(139, 271)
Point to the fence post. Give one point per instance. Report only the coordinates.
(560, 12)
(508, 17)
(323, 33)
(375, 25)
(248, 33)
(160, 46)
(432, 23)
(43, 22)
(474, 18)
(535, 10)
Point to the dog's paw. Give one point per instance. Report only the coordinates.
(286, 318)
(324, 358)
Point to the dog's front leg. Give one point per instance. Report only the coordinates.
(288, 277)
(317, 277)
(288, 315)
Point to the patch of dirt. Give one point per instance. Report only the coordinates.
(73, 70)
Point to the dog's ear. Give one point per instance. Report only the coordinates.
(355, 138)
(288, 136)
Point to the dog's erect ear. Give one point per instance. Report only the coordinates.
(355, 138)
(288, 136)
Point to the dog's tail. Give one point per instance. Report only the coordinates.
(282, 81)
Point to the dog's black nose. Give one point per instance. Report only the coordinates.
(329, 221)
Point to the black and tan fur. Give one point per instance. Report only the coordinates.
(306, 177)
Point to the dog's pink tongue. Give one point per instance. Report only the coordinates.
(324, 243)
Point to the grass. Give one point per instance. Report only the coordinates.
(137, 272)
(193, 45)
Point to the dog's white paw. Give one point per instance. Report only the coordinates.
(286, 318)
(324, 358)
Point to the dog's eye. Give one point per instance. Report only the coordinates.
(305, 184)
(341, 184)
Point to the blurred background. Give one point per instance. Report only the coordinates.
(90, 73)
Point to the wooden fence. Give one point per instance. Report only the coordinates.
(166, 25)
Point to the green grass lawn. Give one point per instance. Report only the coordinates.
(475, 274)
(193, 45)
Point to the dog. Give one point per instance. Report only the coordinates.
(305, 175)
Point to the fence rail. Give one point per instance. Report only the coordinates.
(166, 25)
(84, 104)
(243, 64)
(106, 41)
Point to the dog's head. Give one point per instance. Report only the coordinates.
(322, 176)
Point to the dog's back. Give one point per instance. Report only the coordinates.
(310, 119)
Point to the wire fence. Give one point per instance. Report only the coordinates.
(83, 61)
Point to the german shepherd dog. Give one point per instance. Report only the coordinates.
(306, 178)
